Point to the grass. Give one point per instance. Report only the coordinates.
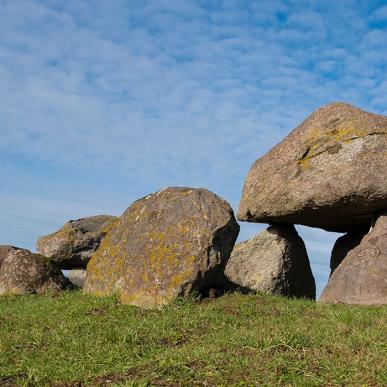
(74, 340)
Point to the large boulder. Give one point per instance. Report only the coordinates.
(344, 245)
(168, 244)
(72, 246)
(22, 272)
(274, 261)
(329, 172)
(361, 278)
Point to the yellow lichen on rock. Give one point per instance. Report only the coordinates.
(159, 248)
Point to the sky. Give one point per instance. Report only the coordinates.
(103, 102)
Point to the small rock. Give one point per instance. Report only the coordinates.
(4, 250)
(77, 277)
(274, 261)
(22, 272)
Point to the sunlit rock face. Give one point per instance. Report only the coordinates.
(169, 244)
(274, 261)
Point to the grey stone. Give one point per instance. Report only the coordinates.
(4, 250)
(274, 261)
(344, 245)
(77, 277)
(22, 272)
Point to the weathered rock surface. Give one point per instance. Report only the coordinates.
(22, 272)
(361, 278)
(72, 246)
(168, 244)
(344, 245)
(329, 172)
(77, 277)
(4, 250)
(274, 261)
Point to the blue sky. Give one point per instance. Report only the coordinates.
(103, 102)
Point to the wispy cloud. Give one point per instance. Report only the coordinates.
(103, 102)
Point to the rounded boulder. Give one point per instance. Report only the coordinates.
(168, 244)
(23, 272)
(330, 172)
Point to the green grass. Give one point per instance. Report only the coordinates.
(72, 340)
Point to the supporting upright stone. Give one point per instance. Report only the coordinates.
(275, 261)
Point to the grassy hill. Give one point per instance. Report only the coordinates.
(72, 340)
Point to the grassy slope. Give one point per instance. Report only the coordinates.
(236, 339)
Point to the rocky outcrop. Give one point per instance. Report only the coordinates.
(169, 244)
(330, 172)
(361, 278)
(22, 272)
(344, 245)
(72, 246)
(274, 261)
(77, 277)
